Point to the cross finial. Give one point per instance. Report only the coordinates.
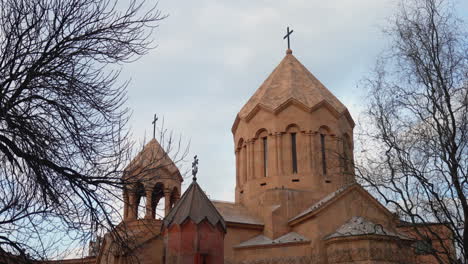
(195, 168)
(288, 33)
(154, 125)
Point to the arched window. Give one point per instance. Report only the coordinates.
(265, 156)
(262, 136)
(324, 133)
(292, 145)
(323, 153)
(294, 152)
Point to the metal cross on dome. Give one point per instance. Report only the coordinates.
(288, 33)
(154, 125)
(195, 167)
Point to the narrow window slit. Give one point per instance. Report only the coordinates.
(265, 157)
(324, 158)
(294, 152)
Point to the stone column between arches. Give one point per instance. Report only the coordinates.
(248, 163)
(149, 204)
(126, 204)
(252, 159)
(279, 140)
(237, 153)
(309, 154)
(244, 161)
(133, 207)
(167, 201)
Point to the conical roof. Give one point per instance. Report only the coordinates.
(152, 156)
(196, 206)
(291, 81)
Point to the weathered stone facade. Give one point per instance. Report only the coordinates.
(296, 198)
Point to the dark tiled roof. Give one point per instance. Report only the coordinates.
(196, 206)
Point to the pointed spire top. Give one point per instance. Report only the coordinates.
(195, 168)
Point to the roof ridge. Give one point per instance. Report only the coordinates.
(323, 201)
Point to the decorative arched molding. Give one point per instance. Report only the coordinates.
(240, 144)
(322, 104)
(262, 132)
(292, 128)
(324, 130)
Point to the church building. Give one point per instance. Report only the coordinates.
(296, 196)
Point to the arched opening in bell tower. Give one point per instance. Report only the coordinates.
(157, 198)
(140, 200)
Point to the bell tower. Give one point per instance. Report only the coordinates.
(151, 176)
(292, 134)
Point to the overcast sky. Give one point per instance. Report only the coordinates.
(213, 54)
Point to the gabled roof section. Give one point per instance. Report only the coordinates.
(359, 226)
(291, 80)
(236, 214)
(196, 206)
(330, 198)
(261, 240)
(323, 202)
(152, 156)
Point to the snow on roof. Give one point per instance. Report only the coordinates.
(358, 226)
